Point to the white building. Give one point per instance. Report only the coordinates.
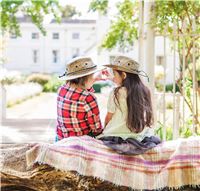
(33, 52)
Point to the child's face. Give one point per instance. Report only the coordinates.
(117, 79)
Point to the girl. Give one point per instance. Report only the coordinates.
(130, 116)
(77, 109)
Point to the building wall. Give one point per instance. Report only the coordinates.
(19, 52)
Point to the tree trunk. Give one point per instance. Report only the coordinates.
(46, 178)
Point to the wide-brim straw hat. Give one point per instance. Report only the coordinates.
(80, 67)
(126, 64)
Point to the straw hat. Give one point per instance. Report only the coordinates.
(126, 64)
(79, 67)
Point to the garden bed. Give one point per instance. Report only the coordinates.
(16, 93)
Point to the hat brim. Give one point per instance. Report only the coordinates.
(82, 73)
(120, 68)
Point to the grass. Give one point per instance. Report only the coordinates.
(13, 103)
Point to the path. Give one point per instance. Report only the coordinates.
(34, 120)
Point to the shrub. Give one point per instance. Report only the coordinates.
(9, 77)
(159, 132)
(97, 86)
(184, 131)
(169, 88)
(159, 86)
(41, 79)
(53, 84)
(16, 93)
(169, 105)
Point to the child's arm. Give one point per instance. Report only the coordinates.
(110, 108)
(93, 115)
(108, 118)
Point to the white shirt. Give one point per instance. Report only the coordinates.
(117, 125)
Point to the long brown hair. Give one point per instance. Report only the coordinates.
(140, 112)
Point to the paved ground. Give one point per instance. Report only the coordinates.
(35, 119)
(39, 107)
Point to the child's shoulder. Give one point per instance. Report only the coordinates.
(90, 97)
(76, 94)
(61, 88)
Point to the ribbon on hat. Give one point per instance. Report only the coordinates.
(62, 75)
(142, 73)
(76, 72)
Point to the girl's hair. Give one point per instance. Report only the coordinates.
(79, 81)
(140, 112)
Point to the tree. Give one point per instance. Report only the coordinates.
(69, 11)
(123, 31)
(99, 5)
(35, 9)
(180, 21)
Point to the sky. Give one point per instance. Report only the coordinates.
(83, 7)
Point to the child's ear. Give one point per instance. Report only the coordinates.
(124, 75)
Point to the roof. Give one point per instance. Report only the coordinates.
(75, 21)
(27, 19)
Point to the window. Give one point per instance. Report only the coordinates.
(55, 35)
(35, 35)
(55, 56)
(13, 36)
(35, 56)
(75, 35)
(75, 52)
(160, 60)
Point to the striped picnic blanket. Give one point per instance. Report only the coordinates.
(171, 164)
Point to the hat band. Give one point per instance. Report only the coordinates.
(135, 71)
(141, 73)
(78, 71)
(144, 74)
(124, 69)
(82, 70)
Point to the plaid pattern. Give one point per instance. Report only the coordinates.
(171, 164)
(77, 112)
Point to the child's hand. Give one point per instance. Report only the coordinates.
(103, 75)
(107, 74)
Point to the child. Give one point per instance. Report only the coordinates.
(130, 116)
(77, 109)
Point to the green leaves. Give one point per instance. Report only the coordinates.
(123, 30)
(35, 9)
(99, 5)
(8, 10)
(169, 12)
(69, 11)
(188, 89)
